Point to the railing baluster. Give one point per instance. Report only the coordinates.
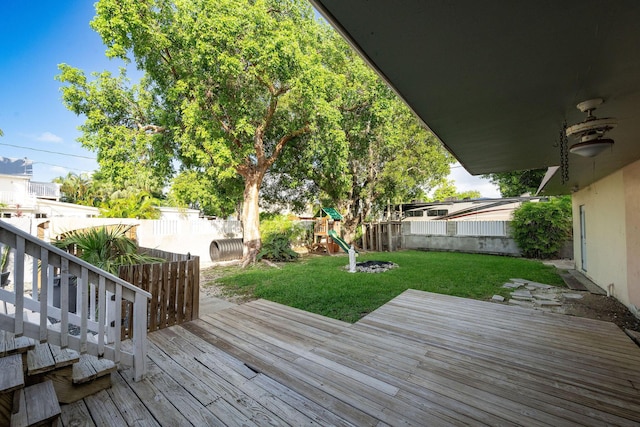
(34, 279)
(117, 322)
(18, 274)
(92, 301)
(64, 303)
(44, 292)
(50, 275)
(82, 290)
(102, 318)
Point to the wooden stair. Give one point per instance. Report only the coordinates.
(35, 378)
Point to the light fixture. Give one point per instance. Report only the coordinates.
(590, 133)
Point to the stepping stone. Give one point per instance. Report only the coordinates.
(531, 288)
(532, 283)
(511, 285)
(573, 283)
(548, 303)
(546, 297)
(498, 298)
(521, 293)
(572, 296)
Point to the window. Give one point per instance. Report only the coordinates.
(415, 213)
(437, 212)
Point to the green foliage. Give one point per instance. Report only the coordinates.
(447, 190)
(277, 247)
(517, 183)
(107, 248)
(137, 204)
(322, 285)
(213, 196)
(81, 189)
(541, 228)
(278, 233)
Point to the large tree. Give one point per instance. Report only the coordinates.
(517, 183)
(228, 85)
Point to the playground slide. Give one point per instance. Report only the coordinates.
(345, 247)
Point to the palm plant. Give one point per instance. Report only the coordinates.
(107, 248)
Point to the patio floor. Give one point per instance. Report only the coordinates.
(421, 359)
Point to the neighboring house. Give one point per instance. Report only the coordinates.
(21, 196)
(498, 83)
(465, 210)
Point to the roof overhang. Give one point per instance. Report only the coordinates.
(495, 81)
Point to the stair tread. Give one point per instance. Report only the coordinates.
(10, 344)
(35, 405)
(11, 368)
(46, 357)
(90, 367)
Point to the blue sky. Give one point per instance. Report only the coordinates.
(36, 36)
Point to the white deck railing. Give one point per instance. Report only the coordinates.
(93, 326)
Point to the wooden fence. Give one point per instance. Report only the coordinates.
(382, 236)
(174, 287)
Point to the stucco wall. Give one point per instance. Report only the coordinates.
(606, 231)
(470, 244)
(631, 179)
(454, 242)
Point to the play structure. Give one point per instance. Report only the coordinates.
(326, 232)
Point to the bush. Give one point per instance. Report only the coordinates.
(541, 228)
(277, 233)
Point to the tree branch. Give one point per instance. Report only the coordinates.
(283, 141)
(151, 128)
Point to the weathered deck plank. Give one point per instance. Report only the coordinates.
(421, 359)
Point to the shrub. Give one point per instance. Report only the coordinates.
(541, 228)
(107, 248)
(278, 232)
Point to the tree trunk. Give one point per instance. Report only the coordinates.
(251, 220)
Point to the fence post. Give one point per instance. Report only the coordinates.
(194, 279)
(364, 236)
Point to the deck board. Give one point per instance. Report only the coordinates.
(421, 359)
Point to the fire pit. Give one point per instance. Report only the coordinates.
(374, 266)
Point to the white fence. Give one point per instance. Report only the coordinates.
(482, 228)
(460, 228)
(219, 228)
(434, 228)
(178, 236)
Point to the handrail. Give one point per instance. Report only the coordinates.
(97, 307)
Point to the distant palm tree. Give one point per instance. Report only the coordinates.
(107, 248)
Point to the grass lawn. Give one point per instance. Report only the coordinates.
(321, 284)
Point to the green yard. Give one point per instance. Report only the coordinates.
(322, 285)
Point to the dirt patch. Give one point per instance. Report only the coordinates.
(210, 287)
(601, 307)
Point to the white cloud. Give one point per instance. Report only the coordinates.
(48, 137)
(59, 170)
(464, 181)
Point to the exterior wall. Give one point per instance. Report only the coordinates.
(631, 180)
(612, 225)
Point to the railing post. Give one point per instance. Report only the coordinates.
(139, 336)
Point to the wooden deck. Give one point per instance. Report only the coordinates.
(422, 359)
